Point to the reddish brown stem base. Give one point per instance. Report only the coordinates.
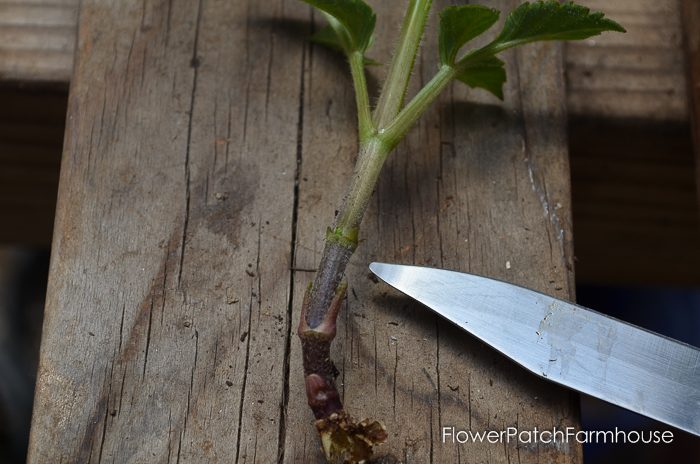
(319, 370)
(344, 440)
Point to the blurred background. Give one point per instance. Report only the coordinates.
(634, 182)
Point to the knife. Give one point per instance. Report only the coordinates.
(582, 349)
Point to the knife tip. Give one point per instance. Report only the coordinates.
(381, 269)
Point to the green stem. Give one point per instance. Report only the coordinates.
(392, 134)
(369, 164)
(341, 239)
(394, 91)
(364, 112)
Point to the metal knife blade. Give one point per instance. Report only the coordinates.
(565, 343)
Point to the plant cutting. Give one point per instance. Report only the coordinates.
(380, 128)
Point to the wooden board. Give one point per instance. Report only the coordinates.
(37, 39)
(637, 75)
(635, 203)
(635, 209)
(204, 147)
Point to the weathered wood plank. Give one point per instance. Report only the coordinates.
(168, 331)
(37, 39)
(635, 204)
(637, 75)
(166, 319)
(478, 186)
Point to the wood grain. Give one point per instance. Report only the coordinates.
(634, 202)
(166, 318)
(205, 150)
(37, 39)
(637, 75)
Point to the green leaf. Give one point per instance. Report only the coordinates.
(551, 20)
(352, 21)
(459, 25)
(530, 22)
(329, 39)
(488, 73)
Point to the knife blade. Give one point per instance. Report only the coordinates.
(568, 344)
